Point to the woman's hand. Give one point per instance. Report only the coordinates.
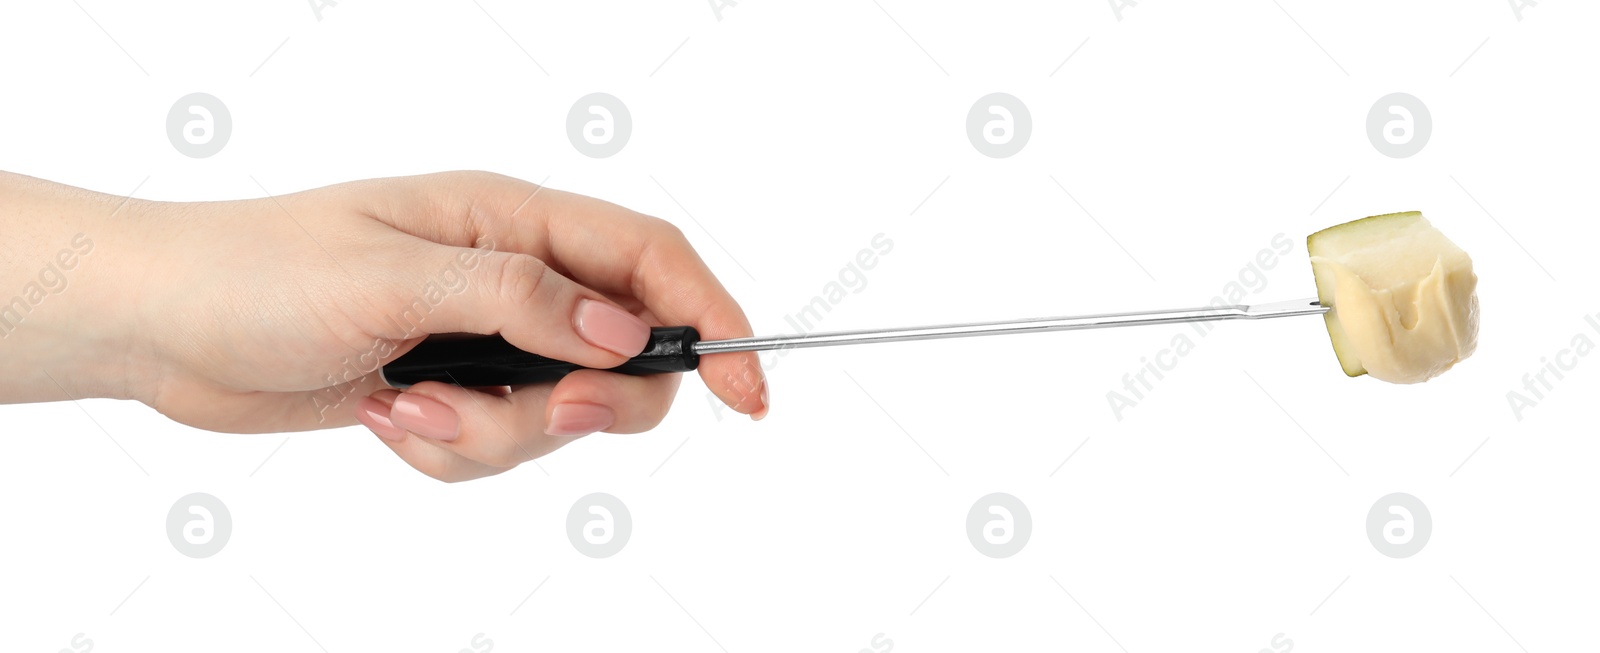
(274, 314)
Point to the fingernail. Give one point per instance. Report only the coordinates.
(765, 403)
(374, 415)
(579, 419)
(611, 328)
(425, 417)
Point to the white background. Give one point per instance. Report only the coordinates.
(1208, 517)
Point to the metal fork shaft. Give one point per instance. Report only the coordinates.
(1029, 325)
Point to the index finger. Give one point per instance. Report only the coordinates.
(617, 250)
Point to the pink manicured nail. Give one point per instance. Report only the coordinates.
(374, 415)
(425, 417)
(611, 328)
(579, 419)
(766, 403)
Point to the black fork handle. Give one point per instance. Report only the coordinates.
(490, 361)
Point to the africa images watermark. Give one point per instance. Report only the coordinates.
(51, 280)
(852, 279)
(1252, 279)
(1552, 369)
(452, 280)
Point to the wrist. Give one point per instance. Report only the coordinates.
(67, 327)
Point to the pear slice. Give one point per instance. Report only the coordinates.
(1403, 297)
